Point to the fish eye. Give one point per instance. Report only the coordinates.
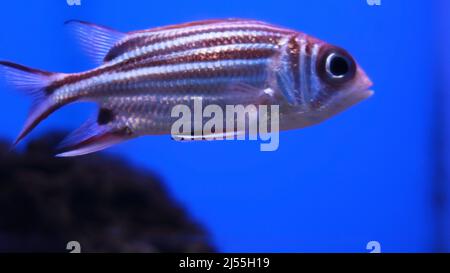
(337, 66)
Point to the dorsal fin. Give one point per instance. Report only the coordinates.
(95, 40)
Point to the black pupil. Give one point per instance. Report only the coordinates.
(338, 66)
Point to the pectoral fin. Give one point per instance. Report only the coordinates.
(245, 94)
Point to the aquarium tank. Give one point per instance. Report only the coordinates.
(352, 170)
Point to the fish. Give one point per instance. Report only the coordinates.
(141, 75)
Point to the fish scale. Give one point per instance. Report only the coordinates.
(142, 75)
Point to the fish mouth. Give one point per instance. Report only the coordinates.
(348, 98)
(359, 92)
(369, 93)
(357, 96)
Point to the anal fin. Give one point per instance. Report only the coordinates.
(92, 137)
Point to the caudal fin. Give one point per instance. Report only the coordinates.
(34, 83)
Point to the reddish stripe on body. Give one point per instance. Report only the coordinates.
(145, 61)
(216, 26)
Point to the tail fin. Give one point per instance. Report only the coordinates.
(32, 82)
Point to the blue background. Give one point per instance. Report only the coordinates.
(366, 174)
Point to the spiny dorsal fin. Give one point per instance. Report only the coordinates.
(95, 40)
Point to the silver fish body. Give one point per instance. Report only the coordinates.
(144, 74)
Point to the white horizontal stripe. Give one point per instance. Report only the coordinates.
(197, 82)
(167, 33)
(214, 49)
(111, 78)
(187, 40)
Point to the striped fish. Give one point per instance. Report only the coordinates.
(142, 75)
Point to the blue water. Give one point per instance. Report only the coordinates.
(366, 174)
